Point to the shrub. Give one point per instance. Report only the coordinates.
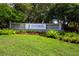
(70, 34)
(52, 33)
(70, 37)
(66, 39)
(7, 31)
(62, 32)
(65, 36)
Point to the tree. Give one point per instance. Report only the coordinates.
(67, 13)
(35, 12)
(7, 13)
(24, 8)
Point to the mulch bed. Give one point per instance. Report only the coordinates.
(32, 33)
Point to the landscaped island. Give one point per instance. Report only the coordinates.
(35, 45)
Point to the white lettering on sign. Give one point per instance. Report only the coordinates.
(35, 26)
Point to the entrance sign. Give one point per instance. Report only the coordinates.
(36, 26)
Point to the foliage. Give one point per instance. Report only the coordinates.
(67, 13)
(52, 33)
(71, 37)
(35, 13)
(7, 32)
(8, 13)
(65, 36)
(62, 32)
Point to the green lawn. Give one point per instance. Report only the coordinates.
(35, 45)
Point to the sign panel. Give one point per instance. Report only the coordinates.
(26, 26)
(35, 26)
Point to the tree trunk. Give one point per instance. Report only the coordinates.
(10, 24)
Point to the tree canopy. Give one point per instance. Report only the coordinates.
(7, 13)
(35, 12)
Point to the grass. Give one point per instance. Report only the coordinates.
(35, 45)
